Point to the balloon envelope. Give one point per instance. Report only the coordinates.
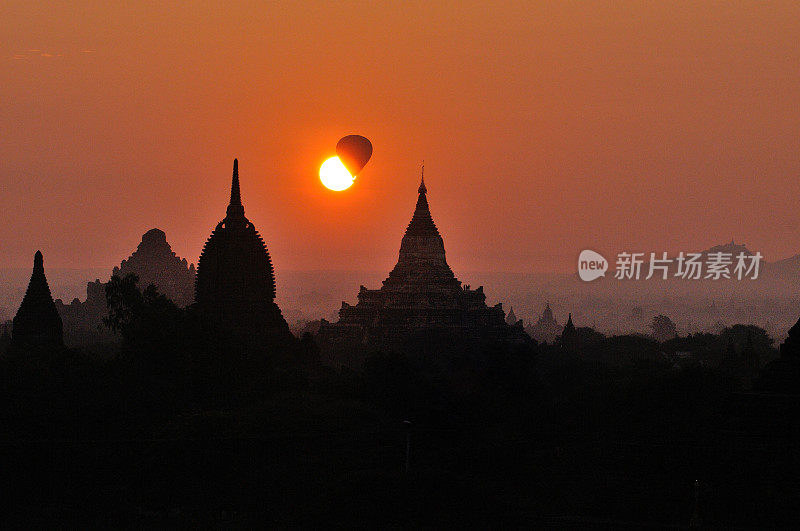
(354, 151)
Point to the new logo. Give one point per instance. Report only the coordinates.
(591, 265)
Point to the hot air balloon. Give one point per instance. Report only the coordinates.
(354, 151)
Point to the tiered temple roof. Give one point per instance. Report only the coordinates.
(235, 279)
(154, 262)
(37, 322)
(422, 263)
(420, 293)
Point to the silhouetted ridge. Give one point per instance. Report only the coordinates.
(37, 321)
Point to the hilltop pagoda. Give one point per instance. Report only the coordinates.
(37, 323)
(235, 279)
(420, 294)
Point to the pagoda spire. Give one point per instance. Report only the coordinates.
(235, 283)
(422, 213)
(422, 209)
(421, 250)
(235, 208)
(37, 321)
(38, 265)
(569, 336)
(236, 195)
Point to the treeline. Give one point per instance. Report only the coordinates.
(188, 424)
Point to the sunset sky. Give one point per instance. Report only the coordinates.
(546, 128)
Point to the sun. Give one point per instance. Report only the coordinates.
(335, 176)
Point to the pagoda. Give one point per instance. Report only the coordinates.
(37, 323)
(420, 294)
(511, 318)
(235, 280)
(546, 329)
(154, 262)
(569, 339)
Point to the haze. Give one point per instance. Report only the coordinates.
(546, 128)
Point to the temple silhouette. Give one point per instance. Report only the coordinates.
(235, 285)
(37, 323)
(511, 317)
(569, 339)
(546, 329)
(154, 262)
(420, 294)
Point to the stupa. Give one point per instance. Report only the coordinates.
(421, 293)
(569, 336)
(511, 318)
(546, 329)
(235, 279)
(37, 323)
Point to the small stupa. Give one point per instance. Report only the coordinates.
(37, 323)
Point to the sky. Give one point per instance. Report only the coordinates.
(546, 128)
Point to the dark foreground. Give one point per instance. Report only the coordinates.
(511, 438)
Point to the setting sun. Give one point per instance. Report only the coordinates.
(334, 175)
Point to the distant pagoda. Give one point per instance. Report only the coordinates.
(154, 262)
(37, 323)
(235, 280)
(546, 329)
(511, 318)
(421, 293)
(569, 336)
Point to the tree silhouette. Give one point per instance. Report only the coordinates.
(663, 328)
(147, 320)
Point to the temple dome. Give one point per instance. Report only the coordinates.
(37, 322)
(235, 278)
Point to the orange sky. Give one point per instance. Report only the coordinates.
(546, 128)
